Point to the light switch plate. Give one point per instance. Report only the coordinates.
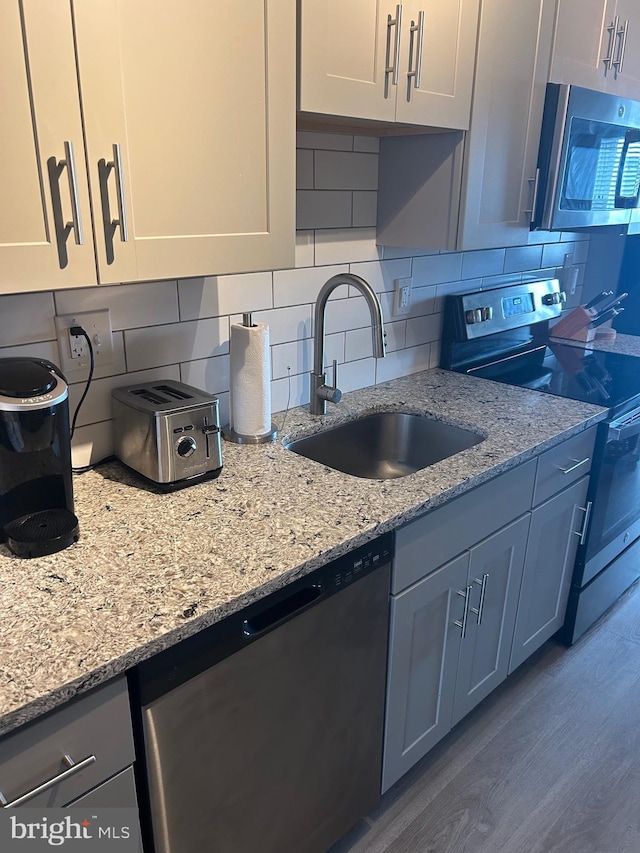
(74, 351)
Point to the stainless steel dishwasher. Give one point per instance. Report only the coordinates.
(264, 732)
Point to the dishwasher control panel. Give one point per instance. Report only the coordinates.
(362, 561)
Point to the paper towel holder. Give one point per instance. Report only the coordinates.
(230, 434)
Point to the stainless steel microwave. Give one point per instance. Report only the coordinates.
(588, 162)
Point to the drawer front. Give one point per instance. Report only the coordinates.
(96, 724)
(427, 543)
(116, 793)
(564, 465)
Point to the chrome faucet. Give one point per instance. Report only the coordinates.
(320, 392)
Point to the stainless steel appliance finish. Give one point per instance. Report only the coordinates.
(589, 160)
(320, 391)
(264, 732)
(521, 353)
(167, 431)
(608, 561)
(487, 311)
(36, 489)
(385, 445)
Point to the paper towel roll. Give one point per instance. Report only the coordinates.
(250, 374)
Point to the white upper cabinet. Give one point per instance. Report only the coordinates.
(45, 224)
(410, 62)
(189, 133)
(475, 190)
(597, 45)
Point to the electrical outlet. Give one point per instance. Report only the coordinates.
(402, 296)
(74, 349)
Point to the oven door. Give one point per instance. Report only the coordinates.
(614, 495)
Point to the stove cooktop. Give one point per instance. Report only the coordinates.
(591, 376)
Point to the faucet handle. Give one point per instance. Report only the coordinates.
(331, 392)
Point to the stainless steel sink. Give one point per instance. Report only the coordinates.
(385, 445)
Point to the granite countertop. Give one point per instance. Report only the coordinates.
(151, 569)
(621, 344)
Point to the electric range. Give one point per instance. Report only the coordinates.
(503, 334)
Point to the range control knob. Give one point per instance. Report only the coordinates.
(554, 298)
(185, 446)
(474, 315)
(486, 313)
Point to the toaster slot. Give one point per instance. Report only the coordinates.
(175, 393)
(149, 396)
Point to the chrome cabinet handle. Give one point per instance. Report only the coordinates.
(534, 195)
(76, 219)
(612, 29)
(72, 768)
(479, 610)
(573, 467)
(116, 165)
(419, 29)
(465, 613)
(397, 23)
(622, 35)
(585, 524)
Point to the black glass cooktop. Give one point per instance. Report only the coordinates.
(603, 378)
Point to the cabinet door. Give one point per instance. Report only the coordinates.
(508, 100)
(551, 553)
(626, 80)
(437, 60)
(496, 563)
(443, 192)
(423, 656)
(584, 43)
(39, 247)
(189, 112)
(344, 50)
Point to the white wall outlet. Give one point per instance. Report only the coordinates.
(74, 349)
(402, 296)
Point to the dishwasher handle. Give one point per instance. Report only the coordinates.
(283, 610)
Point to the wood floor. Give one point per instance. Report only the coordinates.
(549, 762)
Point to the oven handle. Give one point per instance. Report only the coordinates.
(624, 428)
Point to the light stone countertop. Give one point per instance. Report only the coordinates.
(151, 569)
(621, 344)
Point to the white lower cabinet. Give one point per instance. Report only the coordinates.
(81, 754)
(425, 645)
(493, 586)
(451, 629)
(478, 585)
(554, 537)
(450, 645)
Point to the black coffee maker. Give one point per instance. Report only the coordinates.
(36, 489)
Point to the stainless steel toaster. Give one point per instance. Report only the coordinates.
(167, 431)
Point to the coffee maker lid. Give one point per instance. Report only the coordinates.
(30, 383)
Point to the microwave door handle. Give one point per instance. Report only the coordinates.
(625, 201)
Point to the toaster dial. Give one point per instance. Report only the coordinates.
(186, 446)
